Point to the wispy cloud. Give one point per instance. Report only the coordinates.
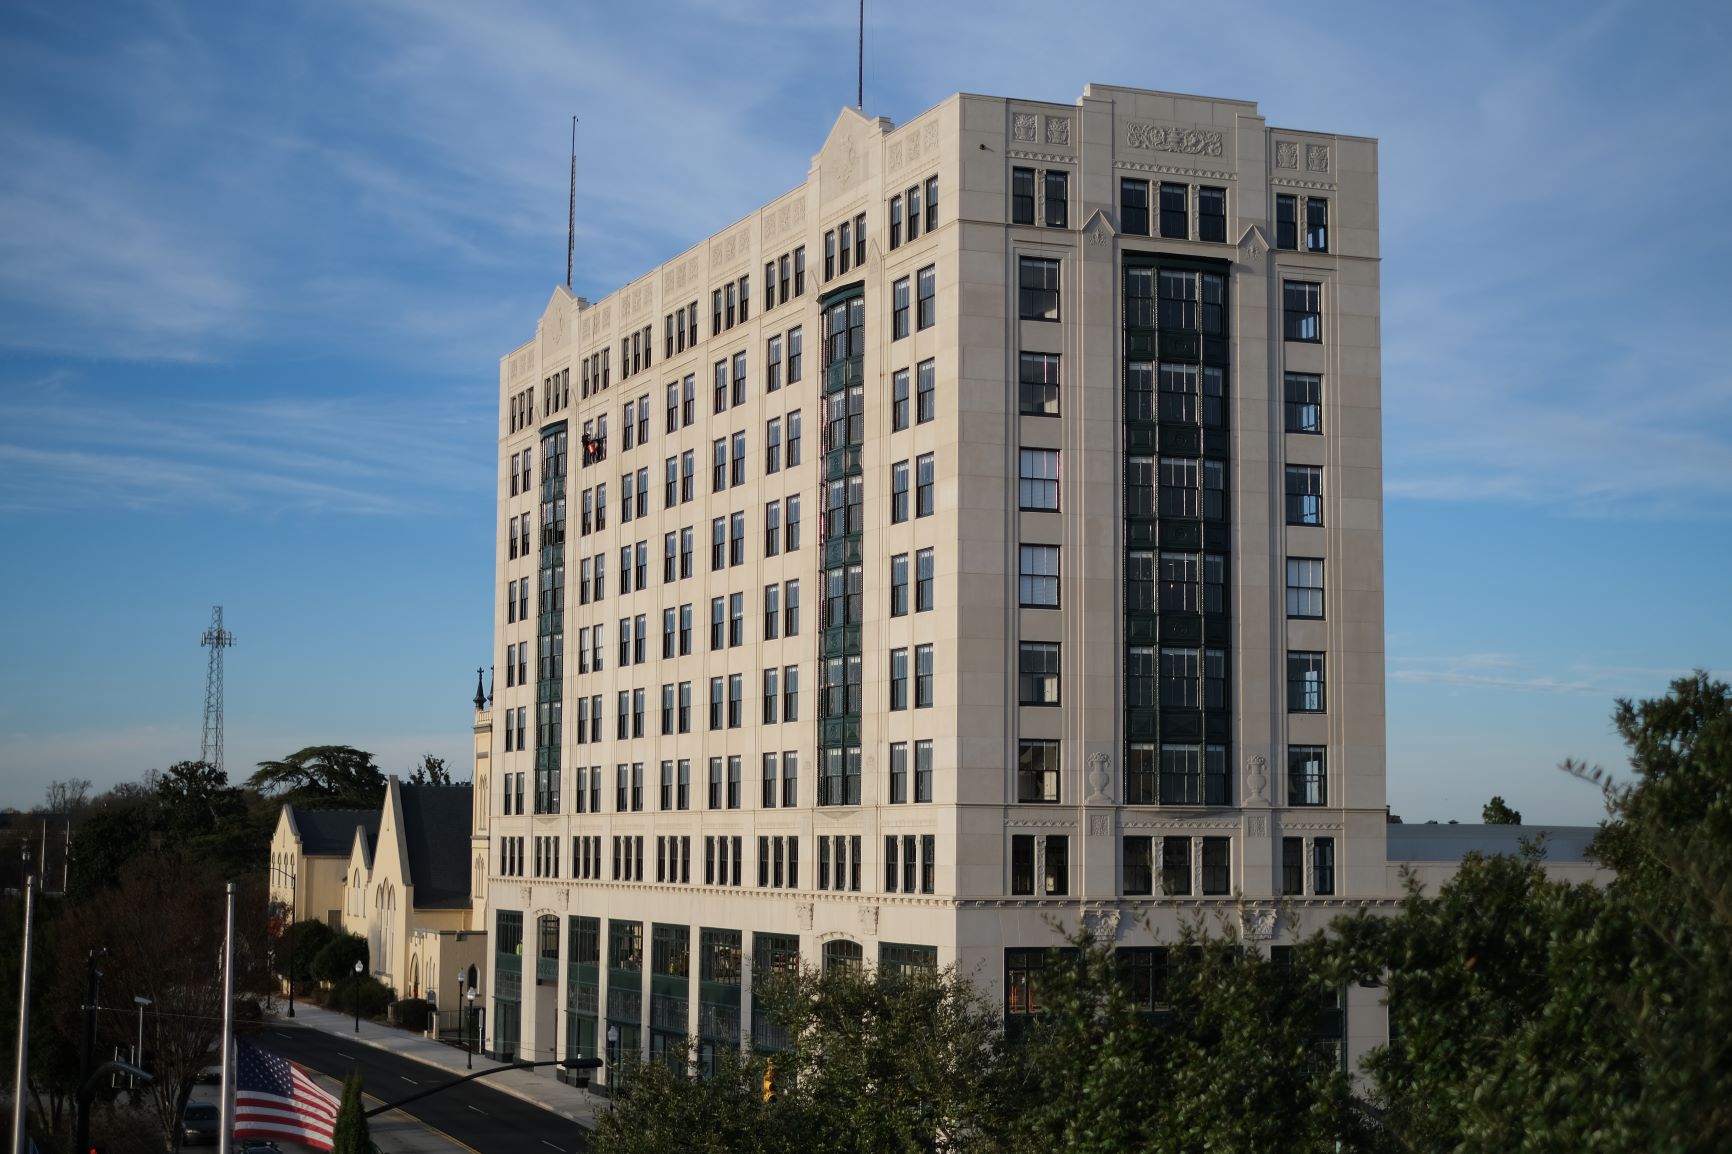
(345, 455)
(1508, 671)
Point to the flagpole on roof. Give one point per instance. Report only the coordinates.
(226, 1134)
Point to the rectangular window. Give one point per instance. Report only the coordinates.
(1286, 221)
(790, 696)
(898, 679)
(1303, 396)
(913, 196)
(1037, 576)
(1292, 866)
(1211, 213)
(923, 572)
(716, 781)
(1037, 673)
(1037, 288)
(1302, 311)
(1217, 865)
(795, 345)
(1037, 384)
(1037, 771)
(791, 610)
(926, 294)
(793, 438)
(898, 400)
(773, 365)
(1304, 587)
(1139, 871)
(899, 309)
(1307, 781)
(1037, 480)
(1176, 866)
(1304, 494)
(737, 539)
(899, 585)
(1056, 872)
(931, 203)
(1175, 223)
(1022, 196)
(1316, 224)
(844, 246)
(1056, 185)
(771, 695)
(783, 266)
(1134, 206)
(860, 239)
(923, 771)
(923, 677)
(1022, 864)
(925, 485)
(1305, 682)
(1323, 866)
(772, 528)
(768, 799)
(899, 492)
(895, 223)
(898, 772)
(926, 404)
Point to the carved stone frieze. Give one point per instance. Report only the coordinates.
(1100, 824)
(803, 914)
(1286, 154)
(869, 920)
(1257, 924)
(1317, 157)
(1102, 925)
(1024, 126)
(1162, 138)
(1058, 130)
(1256, 777)
(1100, 780)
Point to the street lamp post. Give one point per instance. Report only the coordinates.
(138, 1051)
(357, 995)
(468, 1049)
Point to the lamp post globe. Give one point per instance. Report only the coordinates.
(357, 995)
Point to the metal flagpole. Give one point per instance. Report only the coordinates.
(20, 1080)
(226, 1136)
(571, 207)
(860, 77)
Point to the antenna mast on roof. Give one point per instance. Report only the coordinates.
(571, 207)
(860, 76)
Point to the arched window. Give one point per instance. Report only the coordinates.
(840, 953)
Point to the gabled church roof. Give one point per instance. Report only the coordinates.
(331, 832)
(435, 837)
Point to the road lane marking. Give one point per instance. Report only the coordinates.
(545, 1142)
(408, 1079)
(477, 1109)
(341, 1054)
(279, 1033)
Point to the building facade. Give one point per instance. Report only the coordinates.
(984, 537)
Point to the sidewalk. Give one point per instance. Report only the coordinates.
(532, 1086)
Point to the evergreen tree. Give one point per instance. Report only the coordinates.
(350, 1135)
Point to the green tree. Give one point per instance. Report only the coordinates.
(1217, 1050)
(431, 771)
(1497, 812)
(350, 1134)
(322, 775)
(335, 961)
(1502, 990)
(876, 1063)
(301, 943)
(1670, 841)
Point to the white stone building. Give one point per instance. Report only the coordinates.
(984, 535)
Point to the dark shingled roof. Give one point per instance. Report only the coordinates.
(331, 832)
(436, 838)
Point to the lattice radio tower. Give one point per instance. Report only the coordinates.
(216, 639)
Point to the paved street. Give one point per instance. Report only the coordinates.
(472, 1116)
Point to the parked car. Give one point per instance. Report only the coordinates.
(200, 1124)
(209, 1076)
(257, 1146)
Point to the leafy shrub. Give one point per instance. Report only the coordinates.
(335, 961)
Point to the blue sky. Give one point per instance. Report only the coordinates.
(257, 267)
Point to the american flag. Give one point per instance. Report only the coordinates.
(274, 1098)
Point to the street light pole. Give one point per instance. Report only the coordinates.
(468, 1049)
(357, 995)
(87, 1046)
(138, 1050)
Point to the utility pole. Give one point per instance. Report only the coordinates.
(87, 1046)
(21, 1078)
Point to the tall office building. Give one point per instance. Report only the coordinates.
(985, 533)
